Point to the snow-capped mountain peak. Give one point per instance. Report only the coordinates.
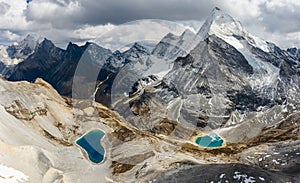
(187, 34)
(230, 30)
(172, 46)
(19, 51)
(220, 23)
(24, 48)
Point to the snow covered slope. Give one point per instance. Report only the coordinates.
(37, 130)
(230, 77)
(10, 175)
(160, 60)
(232, 32)
(14, 54)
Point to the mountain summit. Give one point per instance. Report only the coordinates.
(220, 23)
(230, 30)
(24, 48)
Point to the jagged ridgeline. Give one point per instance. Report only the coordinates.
(219, 77)
(217, 105)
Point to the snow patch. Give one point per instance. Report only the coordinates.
(244, 177)
(10, 175)
(4, 57)
(259, 43)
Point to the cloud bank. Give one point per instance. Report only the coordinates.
(80, 20)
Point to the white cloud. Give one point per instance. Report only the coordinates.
(80, 20)
(275, 21)
(88, 32)
(12, 16)
(242, 9)
(59, 15)
(4, 7)
(282, 3)
(287, 40)
(8, 37)
(149, 30)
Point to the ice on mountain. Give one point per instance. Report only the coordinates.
(227, 28)
(17, 52)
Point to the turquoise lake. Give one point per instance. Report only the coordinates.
(90, 142)
(211, 140)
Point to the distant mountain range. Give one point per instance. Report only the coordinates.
(222, 62)
(33, 58)
(218, 77)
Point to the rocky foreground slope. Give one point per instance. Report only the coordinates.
(39, 129)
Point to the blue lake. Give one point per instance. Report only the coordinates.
(90, 142)
(211, 140)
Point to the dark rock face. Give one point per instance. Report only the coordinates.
(281, 157)
(2, 66)
(89, 66)
(294, 52)
(5, 70)
(45, 58)
(230, 56)
(61, 75)
(82, 62)
(222, 173)
(58, 66)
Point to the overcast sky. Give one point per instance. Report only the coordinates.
(277, 21)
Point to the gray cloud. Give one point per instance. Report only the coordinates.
(96, 12)
(74, 13)
(282, 19)
(4, 7)
(276, 21)
(123, 11)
